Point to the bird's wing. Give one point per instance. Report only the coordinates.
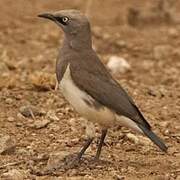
(98, 83)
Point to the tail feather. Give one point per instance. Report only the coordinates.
(153, 137)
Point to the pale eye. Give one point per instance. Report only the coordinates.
(65, 19)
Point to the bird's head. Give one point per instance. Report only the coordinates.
(71, 21)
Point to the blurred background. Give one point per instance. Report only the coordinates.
(137, 40)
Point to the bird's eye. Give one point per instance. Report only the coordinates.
(65, 19)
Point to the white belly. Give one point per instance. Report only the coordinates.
(103, 116)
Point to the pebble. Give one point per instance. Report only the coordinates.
(13, 174)
(7, 144)
(38, 124)
(9, 101)
(133, 138)
(11, 119)
(162, 177)
(162, 51)
(20, 116)
(173, 32)
(118, 65)
(55, 159)
(165, 124)
(3, 68)
(43, 80)
(121, 43)
(118, 177)
(72, 123)
(29, 111)
(52, 116)
(138, 140)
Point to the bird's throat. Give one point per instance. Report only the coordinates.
(78, 41)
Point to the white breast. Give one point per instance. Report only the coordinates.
(76, 97)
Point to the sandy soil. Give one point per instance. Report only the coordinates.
(28, 49)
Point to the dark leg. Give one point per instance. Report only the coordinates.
(86, 145)
(103, 135)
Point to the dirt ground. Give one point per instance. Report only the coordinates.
(145, 34)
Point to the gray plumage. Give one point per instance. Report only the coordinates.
(89, 74)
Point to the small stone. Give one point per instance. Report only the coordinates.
(43, 80)
(173, 32)
(133, 138)
(7, 145)
(121, 43)
(118, 65)
(55, 159)
(52, 116)
(30, 111)
(166, 132)
(9, 101)
(165, 124)
(144, 141)
(38, 124)
(3, 68)
(72, 123)
(162, 51)
(118, 177)
(20, 116)
(10, 119)
(161, 177)
(138, 140)
(19, 124)
(131, 169)
(13, 174)
(54, 127)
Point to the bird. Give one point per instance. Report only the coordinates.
(89, 87)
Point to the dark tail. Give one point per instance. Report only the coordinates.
(153, 137)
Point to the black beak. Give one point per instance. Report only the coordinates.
(47, 16)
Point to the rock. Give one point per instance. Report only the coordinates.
(43, 80)
(7, 145)
(49, 178)
(72, 123)
(121, 43)
(11, 119)
(162, 177)
(173, 32)
(162, 51)
(138, 140)
(144, 141)
(165, 124)
(31, 111)
(52, 116)
(38, 124)
(3, 68)
(133, 138)
(13, 174)
(118, 65)
(56, 159)
(20, 116)
(8, 82)
(118, 177)
(9, 100)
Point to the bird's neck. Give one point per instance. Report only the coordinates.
(78, 41)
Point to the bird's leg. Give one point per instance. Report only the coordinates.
(71, 163)
(103, 135)
(82, 151)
